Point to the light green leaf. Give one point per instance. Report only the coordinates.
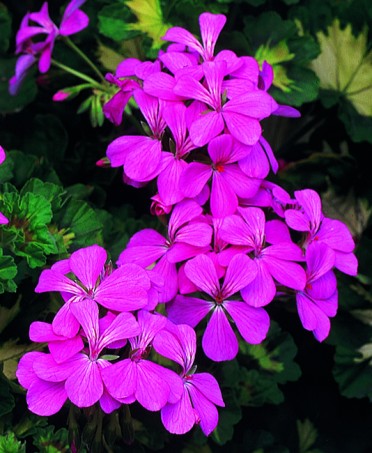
(345, 65)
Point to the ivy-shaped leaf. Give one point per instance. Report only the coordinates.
(8, 270)
(279, 43)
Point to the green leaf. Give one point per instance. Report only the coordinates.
(26, 94)
(228, 416)
(114, 21)
(307, 435)
(5, 28)
(8, 270)
(6, 398)
(49, 441)
(48, 138)
(10, 444)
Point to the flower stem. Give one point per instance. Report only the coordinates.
(77, 74)
(84, 57)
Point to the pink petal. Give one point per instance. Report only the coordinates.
(188, 310)
(241, 184)
(286, 273)
(168, 271)
(47, 369)
(65, 349)
(252, 323)
(336, 234)
(64, 322)
(219, 340)
(208, 386)
(346, 263)
(180, 417)
(202, 272)
(261, 290)
(108, 403)
(206, 410)
(161, 85)
(182, 36)
(46, 398)
(242, 128)
(194, 177)
(240, 272)
(223, 200)
(169, 181)
(84, 386)
(123, 326)
(210, 28)
(206, 127)
(125, 289)
(152, 391)
(126, 385)
(25, 371)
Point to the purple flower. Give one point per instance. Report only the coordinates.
(114, 108)
(318, 301)
(79, 376)
(308, 217)
(274, 262)
(228, 180)
(73, 21)
(219, 340)
(137, 378)
(241, 115)
(210, 28)
(188, 235)
(201, 392)
(141, 155)
(124, 289)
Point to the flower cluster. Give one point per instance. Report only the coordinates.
(233, 242)
(100, 345)
(40, 25)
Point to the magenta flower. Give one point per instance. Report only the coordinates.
(274, 262)
(73, 21)
(210, 29)
(308, 217)
(124, 289)
(228, 180)
(188, 235)
(318, 301)
(114, 108)
(137, 378)
(141, 155)
(219, 340)
(201, 392)
(240, 115)
(173, 164)
(78, 377)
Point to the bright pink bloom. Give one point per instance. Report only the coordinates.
(318, 301)
(308, 217)
(137, 378)
(240, 115)
(274, 262)
(201, 392)
(3, 219)
(188, 235)
(219, 340)
(124, 289)
(73, 21)
(79, 375)
(141, 155)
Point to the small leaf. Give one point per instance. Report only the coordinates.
(307, 435)
(10, 444)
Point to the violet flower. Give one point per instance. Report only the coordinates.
(137, 378)
(308, 217)
(124, 289)
(318, 301)
(240, 115)
(73, 21)
(201, 392)
(188, 235)
(78, 377)
(274, 262)
(219, 340)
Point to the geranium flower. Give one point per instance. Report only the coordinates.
(219, 340)
(201, 392)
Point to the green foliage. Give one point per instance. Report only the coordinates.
(10, 444)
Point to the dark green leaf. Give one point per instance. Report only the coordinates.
(114, 20)
(5, 28)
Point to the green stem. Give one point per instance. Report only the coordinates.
(77, 74)
(84, 57)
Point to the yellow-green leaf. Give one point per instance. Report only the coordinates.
(345, 65)
(150, 19)
(276, 56)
